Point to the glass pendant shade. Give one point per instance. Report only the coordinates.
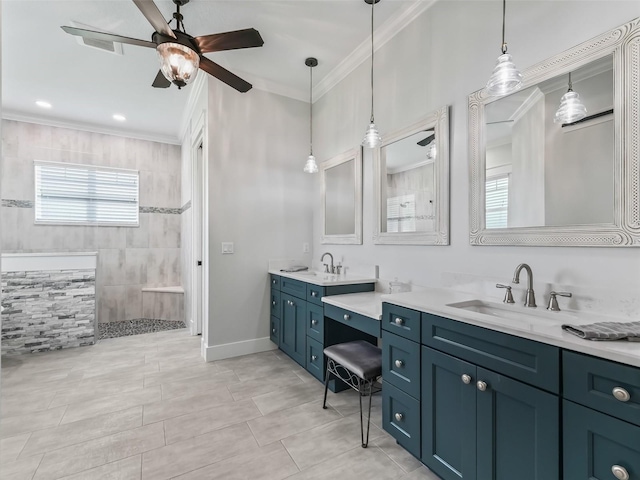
(311, 166)
(505, 79)
(432, 150)
(372, 138)
(179, 64)
(571, 109)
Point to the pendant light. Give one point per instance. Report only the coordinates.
(311, 166)
(372, 137)
(571, 107)
(506, 78)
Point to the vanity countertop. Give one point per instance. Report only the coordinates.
(546, 328)
(324, 279)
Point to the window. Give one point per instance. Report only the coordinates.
(85, 195)
(497, 201)
(401, 213)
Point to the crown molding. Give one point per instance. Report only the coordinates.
(82, 126)
(362, 52)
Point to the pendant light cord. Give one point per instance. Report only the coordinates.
(310, 110)
(504, 16)
(570, 84)
(372, 4)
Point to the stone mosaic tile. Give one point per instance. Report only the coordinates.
(6, 202)
(175, 211)
(137, 326)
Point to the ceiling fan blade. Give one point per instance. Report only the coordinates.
(160, 81)
(247, 38)
(426, 141)
(108, 37)
(154, 16)
(224, 75)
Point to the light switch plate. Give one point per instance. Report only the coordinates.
(227, 248)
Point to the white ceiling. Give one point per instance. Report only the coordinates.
(87, 86)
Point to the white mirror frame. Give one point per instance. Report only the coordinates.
(347, 239)
(623, 43)
(438, 120)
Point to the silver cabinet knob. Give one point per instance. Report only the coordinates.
(314, 322)
(273, 330)
(466, 379)
(482, 386)
(399, 363)
(399, 417)
(398, 321)
(274, 281)
(621, 394)
(273, 303)
(620, 472)
(347, 317)
(314, 294)
(314, 358)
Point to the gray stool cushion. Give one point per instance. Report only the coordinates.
(359, 357)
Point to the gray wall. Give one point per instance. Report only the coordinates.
(439, 59)
(128, 257)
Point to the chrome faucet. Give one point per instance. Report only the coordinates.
(327, 268)
(530, 300)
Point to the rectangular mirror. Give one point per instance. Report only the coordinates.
(535, 181)
(411, 171)
(342, 198)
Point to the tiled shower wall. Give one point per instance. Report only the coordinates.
(129, 258)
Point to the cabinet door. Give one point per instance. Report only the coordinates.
(448, 416)
(597, 446)
(518, 430)
(292, 328)
(274, 334)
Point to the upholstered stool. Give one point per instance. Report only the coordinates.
(359, 365)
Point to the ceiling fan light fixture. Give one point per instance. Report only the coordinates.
(178, 63)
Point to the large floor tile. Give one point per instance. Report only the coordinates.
(177, 406)
(254, 388)
(12, 404)
(198, 452)
(21, 469)
(180, 373)
(95, 391)
(127, 469)
(284, 423)
(395, 452)
(12, 426)
(83, 430)
(289, 396)
(266, 463)
(186, 426)
(192, 386)
(94, 453)
(11, 447)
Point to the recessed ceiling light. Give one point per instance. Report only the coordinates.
(118, 117)
(43, 104)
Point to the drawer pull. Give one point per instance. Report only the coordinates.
(273, 303)
(314, 358)
(399, 417)
(466, 379)
(347, 317)
(314, 322)
(621, 394)
(398, 321)
(399, 363)
(274, 281)
(314, 294)
(273, 330)
(482, 386)
(292, 304)
(620, 472)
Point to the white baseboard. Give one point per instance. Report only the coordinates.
(236, 349)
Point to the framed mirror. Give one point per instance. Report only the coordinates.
(535, 181)
(342, 198)
(411, 182)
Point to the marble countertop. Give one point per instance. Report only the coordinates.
(535, 324)
(324, 279)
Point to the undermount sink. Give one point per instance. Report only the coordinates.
(511, 311)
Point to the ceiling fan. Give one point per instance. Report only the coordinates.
(181, 54)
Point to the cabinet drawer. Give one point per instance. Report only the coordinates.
(528, 361)
(315, 322)
(401, 363)
(315, 359)
(401, 321)
(359, 322)
(275, 282)
(315, 293)
(592, 382)
(275, 303)
(401, 417)
(275, 330)
(293, 287)
(596, 445)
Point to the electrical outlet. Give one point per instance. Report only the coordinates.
(305, 247)
(227, 248)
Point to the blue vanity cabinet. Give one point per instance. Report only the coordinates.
(293, 334)
(275, 306)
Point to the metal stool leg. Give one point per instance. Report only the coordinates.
(369, 414)
(326, 387)
(364, 445)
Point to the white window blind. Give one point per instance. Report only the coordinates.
(497, 201)
(85, 195)
(401, 214)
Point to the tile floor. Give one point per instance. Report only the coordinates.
(148, 407)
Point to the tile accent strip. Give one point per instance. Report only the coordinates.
(137, 326)
(186, 207)
(48, 310)
(173, 211)
(17, 203)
